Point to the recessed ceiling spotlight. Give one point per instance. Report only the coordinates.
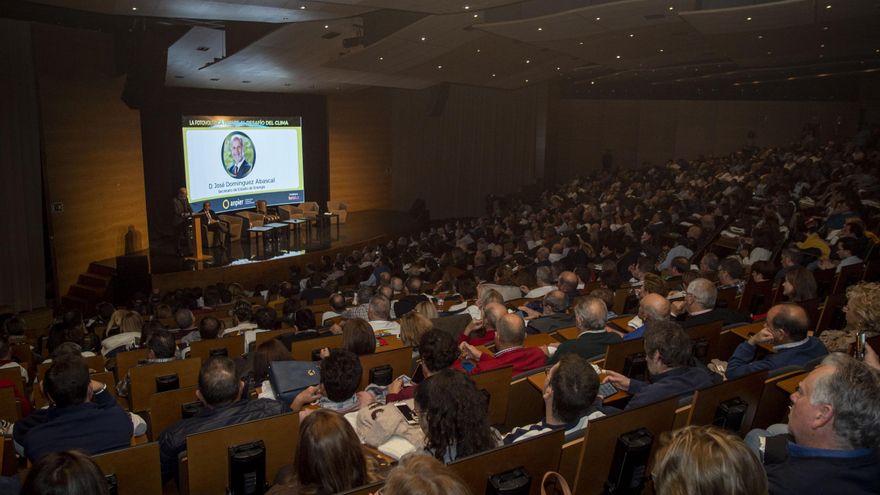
(527, 81)
(134, 8)
(824, 28)
(580, 43)
(493, 75)
(476, 15)
(598, 18)
(439, 66)
(617, 56)
(528, 61)
(632, 35)
(748, 18)
(540, 29)
(559, 68)
(661, 50)
(822, 45)
(671, 7)
(760, 36)
(828, 6)
(592, 83)
(423, 38)
(381, 59)
(467, 7)
(302, 7)
(769, 53)
(478, 50)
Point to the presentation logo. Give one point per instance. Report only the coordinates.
(238, 155)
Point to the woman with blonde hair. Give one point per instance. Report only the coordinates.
(412, 327)
(862, 315)
(420, 474)
(704, 460)
(427, 309)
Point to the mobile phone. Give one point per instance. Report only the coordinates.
(410, 415)
(860, 345)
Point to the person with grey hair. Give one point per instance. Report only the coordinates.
(379, 313)
(668, 355)
(362, 304)
(185, 322)
(589, 317)
(544, 277)
(510, 332)
(553, 317)
(833, 418)
(699, 306)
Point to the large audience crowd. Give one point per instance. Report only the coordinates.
(663, 244)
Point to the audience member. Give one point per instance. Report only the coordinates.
(338, 391)
(786, 328)
(161, 348)
(553, 317)
(220, 391)
(509, 351)
(699, 304)
(799, 285)
(668, 354)
(652, 307)
(594, 337)
(454, 415)
(423, 475)
(437, 351)
(69, 472)
(379, 313)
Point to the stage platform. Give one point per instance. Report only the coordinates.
(250, 263)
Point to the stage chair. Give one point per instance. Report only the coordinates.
(302, 350)
(289, 212)
(136, 469)
(707, 402)
(310, 209)
(497, 384)
(236, 224)
(127, 360)
(536, 455)
(202, 349)
(143, 379)
(399, 359)
(339, 208)
(206, 468)
(165, 408)
(601, 437)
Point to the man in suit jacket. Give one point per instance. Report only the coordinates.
(215, 225)
(786, 328)
(509, 336)
(699, 304)
(240, 166)
(553, 317)
(590, 314)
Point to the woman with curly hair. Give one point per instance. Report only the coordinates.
(454, 414)
(862, 315)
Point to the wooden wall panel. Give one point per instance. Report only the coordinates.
(651, 131)
(360, 149)
(92, 150)
(483, 141)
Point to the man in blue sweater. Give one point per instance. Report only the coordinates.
(786, 329)
(668, 354)
(834, 416)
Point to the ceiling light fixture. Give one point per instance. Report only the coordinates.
(540, 29)
(632, 35)
(617, 56)
(326, 26)
(581, 43)
(598, 18)
(661, 50)
(134, 8)
(439, 66)
(828, 6)
(748, 18)
(671, 7)
(381, 59)
(467, 7)
(493, 75)
(423, 38)
(302, 7)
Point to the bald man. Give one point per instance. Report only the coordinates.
(553, 317)
(786, 330)
(652, 307)
(510, 333)
(568, 283)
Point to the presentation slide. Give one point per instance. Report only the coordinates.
(233, 162)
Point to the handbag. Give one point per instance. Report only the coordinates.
(289, 378)
(559, 486)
